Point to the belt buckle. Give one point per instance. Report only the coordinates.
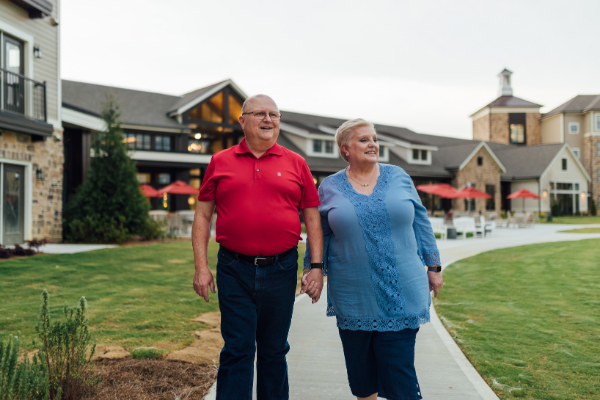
(258, 258)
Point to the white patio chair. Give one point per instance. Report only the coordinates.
(437, 224)
(174, 223)
(186, 218)
(464, 225)
(490, 226)
(158, 215)
(479, 226)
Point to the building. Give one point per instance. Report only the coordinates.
(174, 137)
(31, 157)
(577, 122)
(558, 176)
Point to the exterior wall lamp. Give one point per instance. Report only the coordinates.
(545, 193)
(37, 52)
(40, 175)
(583, 195)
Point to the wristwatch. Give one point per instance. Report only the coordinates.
(435, 268)
(317, 265)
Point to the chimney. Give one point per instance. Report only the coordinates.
(505, 88)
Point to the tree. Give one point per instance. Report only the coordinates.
(108, 206)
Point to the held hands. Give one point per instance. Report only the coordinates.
(435, 282)
(312, 283)
(203, 279)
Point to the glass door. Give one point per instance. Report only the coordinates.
(13, 204)
(14, 84)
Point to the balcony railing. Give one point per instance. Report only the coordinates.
(22, 95)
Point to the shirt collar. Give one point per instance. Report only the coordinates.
(242, 148)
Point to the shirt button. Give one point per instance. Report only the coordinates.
(257, 170)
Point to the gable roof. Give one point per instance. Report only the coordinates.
(579, 103)
(192, 98)
(137, 107)
(525, 162)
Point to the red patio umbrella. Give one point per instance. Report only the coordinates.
(178, 187)
(523, 194)
(443, 190)
(472, 193)
(149, 191)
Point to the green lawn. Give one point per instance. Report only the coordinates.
(137, 296)
(585, 220)
(582, 230)
(527, 318)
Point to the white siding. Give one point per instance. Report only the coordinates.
(573, 174)
(46, 36)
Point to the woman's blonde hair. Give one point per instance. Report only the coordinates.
(344, 133)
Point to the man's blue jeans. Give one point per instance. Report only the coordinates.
(256, 312)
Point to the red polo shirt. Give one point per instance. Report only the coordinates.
(258, 199)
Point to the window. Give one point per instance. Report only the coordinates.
(480, 162)
(564, 164)
(162, 143)
(317, 146)
(598, 148)
(143, 178)
(382, 151)
(415, 155)
(564, 186)
(138, 141)
(598, 122)
(573, 127)
(490, 204)
(576, 152)
(577, 187)
(599, 175)
(328, 147)
(164, 179)
(516, 122)
(423, 155)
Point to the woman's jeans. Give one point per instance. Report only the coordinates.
(256, 312)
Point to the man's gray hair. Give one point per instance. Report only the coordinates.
(344, 133)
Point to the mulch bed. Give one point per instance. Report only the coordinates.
(152, 380)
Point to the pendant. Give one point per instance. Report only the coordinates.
(365, 184)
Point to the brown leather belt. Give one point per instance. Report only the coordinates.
(261, 261)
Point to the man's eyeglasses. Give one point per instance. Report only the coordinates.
(262, 114)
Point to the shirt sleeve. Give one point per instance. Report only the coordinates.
(327, 233)
(310, 197)
(208, 190)
(427, 246)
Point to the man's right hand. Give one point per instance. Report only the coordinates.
(203, 279)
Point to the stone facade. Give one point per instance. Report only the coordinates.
(481, 128)
(499, 132)
(46, 193)
(533, 128)
(592, 165)
(479, 176)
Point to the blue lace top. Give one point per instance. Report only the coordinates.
(375, 250)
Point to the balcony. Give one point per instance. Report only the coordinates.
(23, 104)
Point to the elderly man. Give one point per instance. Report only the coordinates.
(257, 187)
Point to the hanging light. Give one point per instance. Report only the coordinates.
(198, 136)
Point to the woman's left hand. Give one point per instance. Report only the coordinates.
(435, 282)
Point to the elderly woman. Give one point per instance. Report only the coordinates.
(378, 241)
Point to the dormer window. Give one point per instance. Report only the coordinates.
(573, 127)
(419, 155)
(320, 146)
(317, 146)
(328, 147)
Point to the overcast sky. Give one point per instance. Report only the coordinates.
(424, 65)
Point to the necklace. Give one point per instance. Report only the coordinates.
(362, 184)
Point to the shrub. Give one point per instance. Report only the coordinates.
(63, 349)
(555, 210)
(97, 229)
(20, 251)
(24, 381)
(147, 353)
(5, 253)
(153, 230)
(35, 243)
(593, 209)
(110, 199)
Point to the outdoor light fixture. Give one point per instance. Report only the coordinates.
(40, 175)
(165, 204)
(191, 200)
(545, 193)
(37, 52)
(198, 136)
(582, 194)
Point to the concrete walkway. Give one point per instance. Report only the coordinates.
(59, 248)
(316, 362)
